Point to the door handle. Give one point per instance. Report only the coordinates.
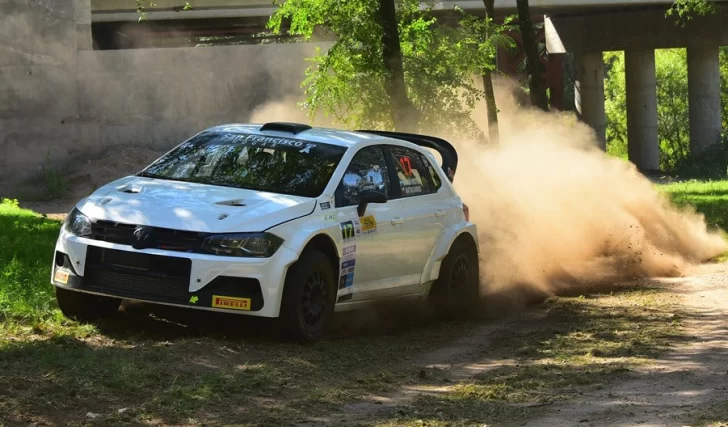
(440, 212)
(397, 221)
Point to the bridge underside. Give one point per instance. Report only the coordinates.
(638, 33)
(590, 28)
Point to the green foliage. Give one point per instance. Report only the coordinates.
(348, 81)
(685, 10)
(673, 127)
(615, 100)
(672, 113)
(709, 164)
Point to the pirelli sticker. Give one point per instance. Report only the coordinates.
(231, 303)
(61, 277)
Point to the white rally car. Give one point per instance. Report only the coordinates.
(281, 220)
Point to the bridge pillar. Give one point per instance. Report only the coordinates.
(704, 97)
(643, 146)
(589, 93)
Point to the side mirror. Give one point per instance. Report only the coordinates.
(369, 197)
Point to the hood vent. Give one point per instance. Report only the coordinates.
(238, 203)
(130, 189)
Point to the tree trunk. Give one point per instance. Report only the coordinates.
(404, 114)
(534, 67)
(488, 84)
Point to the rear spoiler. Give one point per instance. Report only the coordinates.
(446, 150)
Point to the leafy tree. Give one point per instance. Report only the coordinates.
(534, 67)
(492, 109)
(404, 114)
(685, 10)
(350, 81)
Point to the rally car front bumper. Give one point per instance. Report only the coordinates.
(252, 286)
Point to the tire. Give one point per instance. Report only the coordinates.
(309, 296)
(455, 294)
(86, 308)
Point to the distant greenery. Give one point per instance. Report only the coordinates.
(672, 112)
(708, 198)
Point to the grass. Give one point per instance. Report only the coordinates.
(709, 198)
(170, 366)
(26, 253)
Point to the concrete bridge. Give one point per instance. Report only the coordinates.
(71, 88)
(125, 10)
(583, 27)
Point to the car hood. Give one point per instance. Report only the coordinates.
(192, 207)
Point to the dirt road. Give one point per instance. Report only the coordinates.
(687, 385)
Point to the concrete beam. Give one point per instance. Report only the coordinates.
(643, 146)
(624, 29)
(704, 97)
(589, 93)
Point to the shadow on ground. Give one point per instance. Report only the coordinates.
(159, 364)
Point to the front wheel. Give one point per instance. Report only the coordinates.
(455, 294)
(309, 296)
(85, 308)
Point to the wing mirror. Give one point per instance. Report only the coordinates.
(369, 197)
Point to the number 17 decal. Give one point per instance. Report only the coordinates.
(406, 165)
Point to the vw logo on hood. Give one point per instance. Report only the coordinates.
(143, 238)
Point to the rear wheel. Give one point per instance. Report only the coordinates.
(309, 296)
(455, 293)
(84, 307)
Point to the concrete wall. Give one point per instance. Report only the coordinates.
(37, 82)
(59, 100)
(158, 97)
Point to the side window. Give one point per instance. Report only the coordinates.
(367, 171)
(410, 171)
(436, 182)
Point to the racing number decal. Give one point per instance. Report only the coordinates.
(406, 165)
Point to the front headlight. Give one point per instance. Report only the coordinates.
(78, 223)
(256, 245)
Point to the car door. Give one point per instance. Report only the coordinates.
(372, 243)
(422, 210)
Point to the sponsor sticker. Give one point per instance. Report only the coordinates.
(194, 299)
(368, 224)
(61, 277)
(231, 303)
(349, 250)
(331, 216)
(348, 232)
(413, 189)
(325, 205)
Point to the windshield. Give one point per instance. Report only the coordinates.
(257, 162)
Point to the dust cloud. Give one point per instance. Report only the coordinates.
(555, 213)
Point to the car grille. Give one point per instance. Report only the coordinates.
(161, 238)
(137, 275)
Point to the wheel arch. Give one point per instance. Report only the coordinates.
(448, 238)
(324, 243)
